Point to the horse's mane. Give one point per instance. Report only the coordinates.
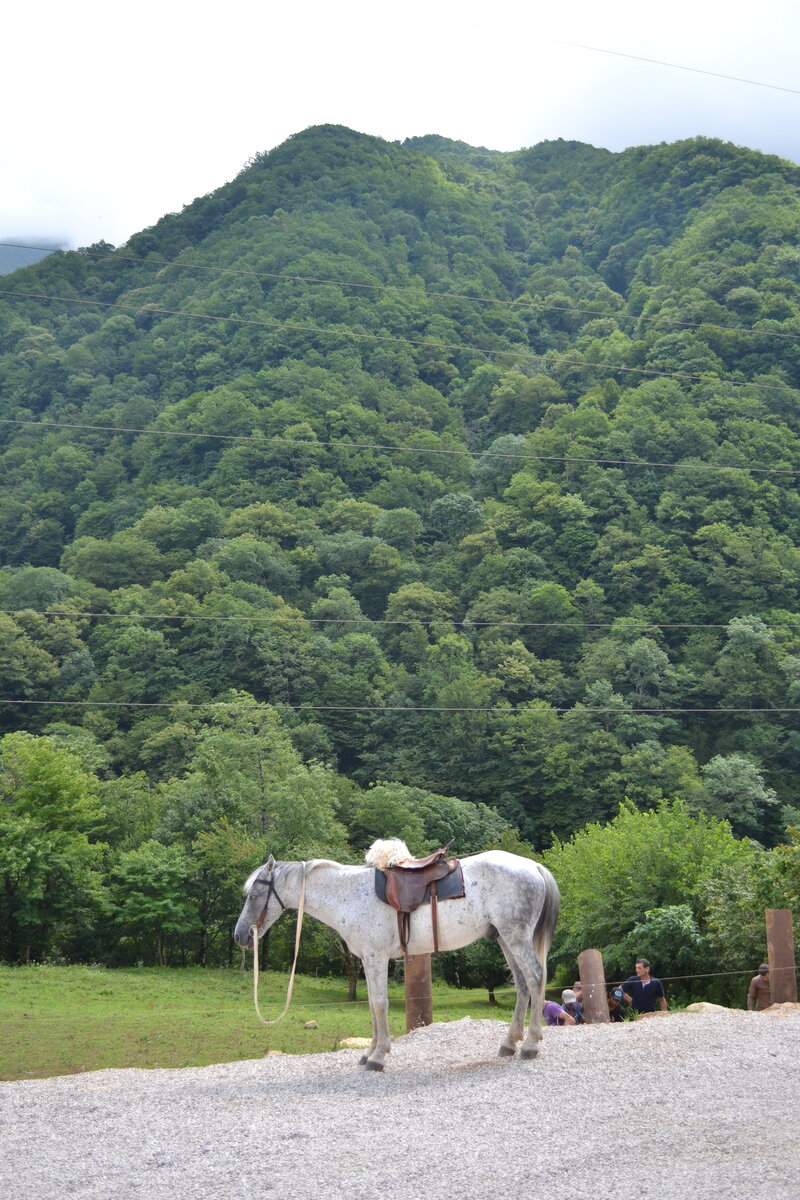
(281, 866)
(387, 852)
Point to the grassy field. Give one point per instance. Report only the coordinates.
(63, 1020)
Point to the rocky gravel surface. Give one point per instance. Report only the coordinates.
(684, 1106)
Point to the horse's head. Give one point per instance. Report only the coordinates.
(262, 905)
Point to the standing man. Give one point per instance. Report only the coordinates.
(758, 994)
(641, 991)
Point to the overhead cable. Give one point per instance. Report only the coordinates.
(504, 710)
(673, 66)
(658, 62)
(620, 624)
(517, 304)
(383, 448)
(289, 327)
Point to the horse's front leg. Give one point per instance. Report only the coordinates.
(376, 973)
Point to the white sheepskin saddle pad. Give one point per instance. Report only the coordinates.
(387, 852)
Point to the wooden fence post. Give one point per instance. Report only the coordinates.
(780, 955)
(419, 994)
(593, 983)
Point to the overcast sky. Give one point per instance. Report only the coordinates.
(116, 113)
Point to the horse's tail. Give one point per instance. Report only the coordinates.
(546, 924)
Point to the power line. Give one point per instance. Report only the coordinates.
(658, 62)
(519, 355)
(518, 304)
(673, 66)
(509, 710)
(376, 446)
(705, 975)
(621, 623)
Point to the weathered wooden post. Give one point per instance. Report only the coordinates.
(780, 955)
(593, 983)
(419, 994)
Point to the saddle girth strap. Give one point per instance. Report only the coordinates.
(404, 922)
(434, 918)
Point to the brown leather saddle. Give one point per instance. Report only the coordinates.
(418, 881)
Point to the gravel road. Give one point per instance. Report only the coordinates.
(681, 1107)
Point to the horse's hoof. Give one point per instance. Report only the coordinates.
(531, 1052)
(374, 1066)
(363, 1060)
(506, 1052)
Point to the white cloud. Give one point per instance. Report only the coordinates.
(124, 112)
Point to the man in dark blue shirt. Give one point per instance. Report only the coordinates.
(642, 992)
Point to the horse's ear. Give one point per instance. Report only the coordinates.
(271, 863)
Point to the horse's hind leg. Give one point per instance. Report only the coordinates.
(376, 973)
(532, 971)
(516, 1029)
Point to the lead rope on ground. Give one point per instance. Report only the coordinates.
(254, 932)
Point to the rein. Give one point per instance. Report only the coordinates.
(255, 930)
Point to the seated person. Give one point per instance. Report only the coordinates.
(571, 1002)
(616, 1009)
(554, 1014)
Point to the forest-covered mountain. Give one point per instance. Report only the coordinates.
(452, 473)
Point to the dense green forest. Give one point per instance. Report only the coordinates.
(403, 489)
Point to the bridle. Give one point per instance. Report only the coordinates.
(271, 891)
(256, 929)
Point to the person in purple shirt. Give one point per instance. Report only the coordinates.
(554, 1014)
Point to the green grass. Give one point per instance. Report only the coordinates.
(63, 1020)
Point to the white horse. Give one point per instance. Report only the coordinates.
(508, 898)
